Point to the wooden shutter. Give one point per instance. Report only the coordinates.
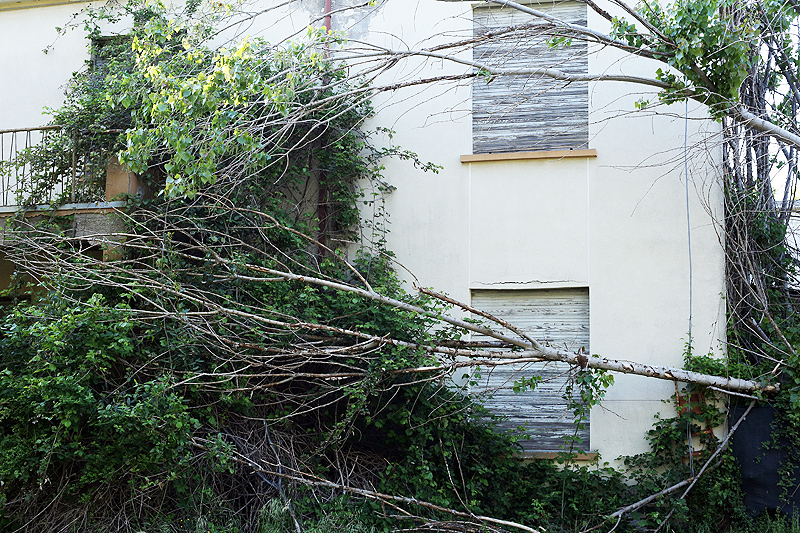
(529, 113)
(559, 317)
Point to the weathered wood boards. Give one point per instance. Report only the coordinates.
(559, 317)
(528, 113)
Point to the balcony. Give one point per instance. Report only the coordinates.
(46, 171)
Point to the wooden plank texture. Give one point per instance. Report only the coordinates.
(559, 317)
(528, 113)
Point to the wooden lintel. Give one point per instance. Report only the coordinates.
(519, 156)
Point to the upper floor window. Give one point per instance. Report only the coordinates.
(529, 112)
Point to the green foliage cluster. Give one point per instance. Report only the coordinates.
(715, 503)
(71, 406)
(585, 390)
(700, 42)
(711, 44)
(199, 106)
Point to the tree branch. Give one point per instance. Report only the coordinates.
(581, 30)
(544, 352)
(742, 115)
(369, 494)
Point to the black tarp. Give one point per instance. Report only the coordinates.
(760, 460)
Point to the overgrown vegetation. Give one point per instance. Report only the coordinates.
(200, 381)
(233, 369)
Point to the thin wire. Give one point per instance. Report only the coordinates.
(689, 239)
(688, 220)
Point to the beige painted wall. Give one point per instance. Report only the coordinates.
(616, 223)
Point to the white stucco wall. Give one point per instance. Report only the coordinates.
(31, 79)
(639, 252)
(616, 223)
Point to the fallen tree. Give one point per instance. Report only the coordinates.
(230, 324)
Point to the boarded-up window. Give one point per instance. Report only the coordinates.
(559, 317)
(529, 112)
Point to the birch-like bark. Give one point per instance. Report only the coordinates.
(538, 350)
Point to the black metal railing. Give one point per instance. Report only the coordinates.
(51, 165)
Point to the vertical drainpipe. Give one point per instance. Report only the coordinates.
(328, 9)
(322, 193)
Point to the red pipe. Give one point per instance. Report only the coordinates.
(328, 8)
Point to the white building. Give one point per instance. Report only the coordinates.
(560, 207)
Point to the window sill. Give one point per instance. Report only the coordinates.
(521, 156)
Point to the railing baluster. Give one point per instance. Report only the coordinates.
(26, 167)
(74, 164)
(2, 159)
(54, 163)
(11, 156)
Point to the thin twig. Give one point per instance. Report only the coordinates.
(721, 447)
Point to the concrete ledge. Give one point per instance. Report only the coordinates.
(521, 156)
(549, 456)
(65, 209)
(97, 223)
